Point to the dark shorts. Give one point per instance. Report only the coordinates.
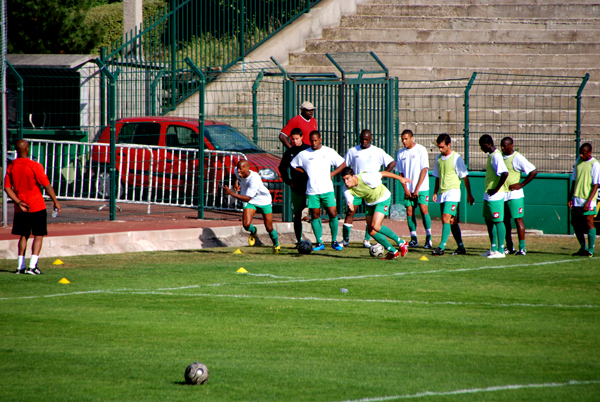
(28, 223)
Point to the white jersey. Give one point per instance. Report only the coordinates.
(367, 160)
(521, 165)
(253, 187)
(410, 163)
(499, 168)
(317, 165)
(452, 195)
(578, 201)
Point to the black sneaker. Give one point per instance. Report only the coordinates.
(428, 246)
(521, 251)
(508, 250)
(459, 251)
(588, 254)
(34, 271)
(437, 251)
(20, 271)
(413, 243)
(581, 253)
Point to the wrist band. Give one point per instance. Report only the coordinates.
(19, 203)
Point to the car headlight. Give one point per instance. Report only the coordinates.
(268, 174)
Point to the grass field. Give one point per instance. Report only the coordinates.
(454, 328)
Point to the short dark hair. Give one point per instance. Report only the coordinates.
(445, 138)
(366, 131)
(409, 132)
(508, 140)
(486, 139)
(296, 130)
(586, 146)
(315, 132)
(347, 171)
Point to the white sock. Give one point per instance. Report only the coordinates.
(33, 261)
(413, 234)
(21, 262)
(428, 232)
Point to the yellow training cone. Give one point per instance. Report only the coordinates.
(238, 251)
(424, 258)
(242, 270)
(58, 262)
(64, 280)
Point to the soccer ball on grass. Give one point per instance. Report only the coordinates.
(305, 247)
(376, 250)
(196, 373)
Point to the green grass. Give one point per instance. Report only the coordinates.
(128, 325)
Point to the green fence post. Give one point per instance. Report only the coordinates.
(20, 88)
(242, 29)
(463, 205)
(289, 108)
(578, 122)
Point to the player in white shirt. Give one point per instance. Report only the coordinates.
(364, 157)
(412, 162)
(514, 201)
(255, 196)
(317, 162)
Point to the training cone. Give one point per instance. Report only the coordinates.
(242, 270)
(64, 280)
(58, 262)
(423, 259)
(238, 251)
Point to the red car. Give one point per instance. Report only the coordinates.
(160, 153)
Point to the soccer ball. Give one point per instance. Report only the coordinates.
(305, 247)
(376, 250)
(196, 373)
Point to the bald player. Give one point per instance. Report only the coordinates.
(255, 196)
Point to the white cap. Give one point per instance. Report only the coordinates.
(307, 106)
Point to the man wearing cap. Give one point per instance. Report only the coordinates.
(304, 121)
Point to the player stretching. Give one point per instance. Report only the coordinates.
(493, 197)
(514, 203)
(364, 158)
(449, 169)
(255, 196)
(368, 186)
(413, 162)
(316, 162)
(582, 199)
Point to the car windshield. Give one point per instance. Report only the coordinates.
(226, 138)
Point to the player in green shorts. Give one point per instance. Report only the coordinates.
(368, 186)
(583, 199)
(255, 196)
(496, 174)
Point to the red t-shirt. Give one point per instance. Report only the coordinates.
(25, 177)
(305, 125)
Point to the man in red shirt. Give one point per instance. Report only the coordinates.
(22, 183)
(304, 121)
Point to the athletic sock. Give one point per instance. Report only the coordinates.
(580, 238)
(522, 244)
(445, 234)
(21, 262)
(501, 235)
(386, 231)
(298, 229)
(252, 229)
(274, 237)
(494, 242)
(591, 240)
(333, 225)
(427, 226)
(317, 228)
(428, 235)
(367, 235)
(457, 234)
(346, 231)
(381, 239)
(33, 262)
(412, 226)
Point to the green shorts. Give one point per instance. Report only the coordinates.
(577, 212)
(298, 202)
(493, 210)
(265, 209)
(423, 199)
(515, 207)
(316, 201)
(449, 207)
(357, 202)
(383, 207)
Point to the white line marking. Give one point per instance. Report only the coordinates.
(474, 390)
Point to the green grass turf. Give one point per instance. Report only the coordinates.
(127, 326)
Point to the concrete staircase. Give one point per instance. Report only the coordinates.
(449, 39)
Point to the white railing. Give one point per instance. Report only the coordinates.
(149, 175)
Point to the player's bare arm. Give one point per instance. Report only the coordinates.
(503, 178)
(401, 179)
(391, 166)
(13, 196)
(422, 177)
(338, 170)
(470, 198)
(593, 194)
(232, 193)
(518, 186)
(52, 195)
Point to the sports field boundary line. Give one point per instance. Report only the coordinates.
(475, 390)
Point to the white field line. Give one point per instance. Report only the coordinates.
(475, 390)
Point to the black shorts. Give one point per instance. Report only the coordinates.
(27, 223)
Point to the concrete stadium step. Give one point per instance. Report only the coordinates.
(477, 2)
(362, 22)
(570, 36)
(417, 47)
(483, 10)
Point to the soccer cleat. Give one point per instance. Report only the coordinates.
(366, 244)
(486, 254)
(403, 249)
(496, 254)
(336, 246)
(34, 271)
(319, 247)
(251, 240)
(459, 251)
(413, 243)
(438, 251)
(508, 251)
(391, 256)
(521, 252)
(589, 254)
(428, 246)
(580, 253)
(20, 271)
(345, 243)
(276, 249)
